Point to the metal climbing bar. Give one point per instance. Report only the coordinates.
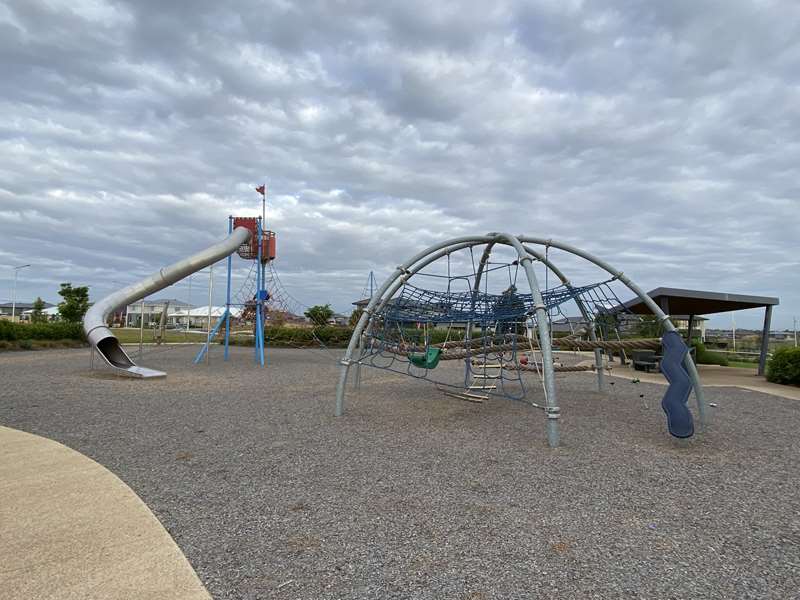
(401, 329)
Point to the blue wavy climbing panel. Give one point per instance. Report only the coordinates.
(676, 398)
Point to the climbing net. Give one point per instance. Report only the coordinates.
(467, 327)
(279, 307)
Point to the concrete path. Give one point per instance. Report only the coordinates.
(69, 528)
(716, 376)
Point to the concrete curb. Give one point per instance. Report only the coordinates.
(72, 529)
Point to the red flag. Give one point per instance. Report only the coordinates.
(261, 189)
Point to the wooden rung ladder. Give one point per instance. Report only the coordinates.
(476, 386)
(467, 396)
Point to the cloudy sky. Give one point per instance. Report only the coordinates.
(662, 136)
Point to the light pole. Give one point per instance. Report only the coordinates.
(14, 292)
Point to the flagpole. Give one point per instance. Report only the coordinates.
(262, 266)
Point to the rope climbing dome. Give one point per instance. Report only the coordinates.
(478, 302)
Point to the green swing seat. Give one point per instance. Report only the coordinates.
(426, 360)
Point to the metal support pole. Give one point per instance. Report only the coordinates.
(259, 301)
(263, 266)
(385, 291)
(598, 363)
(14, 292)
(762, 359)
(188, 311)
(545, 348)
(598, 353)
(228, 296)
(264, 312)
(208, 320)
(689, 331)
(691, 368)
(141, 327)
(357, 373)
(14, 296)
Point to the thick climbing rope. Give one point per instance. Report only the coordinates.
(558, 344)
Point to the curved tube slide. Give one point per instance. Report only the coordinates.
(94, 322)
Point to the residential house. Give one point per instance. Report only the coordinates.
(19, 309)
(151, 310)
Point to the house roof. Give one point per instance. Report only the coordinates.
(565, 320)
(676, 301)
(49, 311)
(173, 301)
(202, 311)
(23, 305)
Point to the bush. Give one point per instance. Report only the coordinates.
(293, 337)
(8, 331)
(707, 357)
(784, 366)
(25, 344)
(60, 330)
(319, 314)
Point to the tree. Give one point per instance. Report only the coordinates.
(319, 314)
(649, 327)
(277, 318)
(38, 316)
(355, 316)
(75, 304)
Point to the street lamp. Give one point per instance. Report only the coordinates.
(14, 291)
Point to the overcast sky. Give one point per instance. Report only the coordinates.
(662, 136)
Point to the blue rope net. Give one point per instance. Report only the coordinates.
(491, 329)
(418, 305)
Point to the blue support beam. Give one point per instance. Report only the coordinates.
(211, 336)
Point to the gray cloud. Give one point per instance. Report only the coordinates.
(661, 136)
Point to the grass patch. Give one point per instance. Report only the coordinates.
(742, 364)
(130, 335)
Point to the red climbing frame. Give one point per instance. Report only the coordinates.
(249, 250)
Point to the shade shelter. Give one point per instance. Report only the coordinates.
(674, 301)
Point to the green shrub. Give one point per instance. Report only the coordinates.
(25, 344)
(59, 330)
(707, 357)
(8, 331)
(784, 366)
(302, 337)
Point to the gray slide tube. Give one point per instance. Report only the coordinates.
(94, 322)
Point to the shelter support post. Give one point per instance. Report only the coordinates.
(762, 359)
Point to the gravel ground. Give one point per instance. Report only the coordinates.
(413, 495)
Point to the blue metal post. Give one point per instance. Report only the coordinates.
(212, 334)
(228, 294)
(259, 304)
(264, 293)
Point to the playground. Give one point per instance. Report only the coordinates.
(416, 494)
(456, 448)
